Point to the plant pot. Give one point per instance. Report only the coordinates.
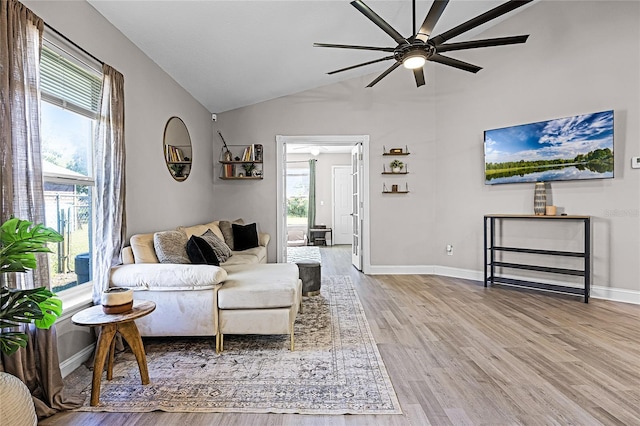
(396, 169)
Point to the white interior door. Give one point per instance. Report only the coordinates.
(356, 205)
(342, 192)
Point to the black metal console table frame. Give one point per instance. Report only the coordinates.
(490, 262)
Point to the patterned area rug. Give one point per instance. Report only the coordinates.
(335, 369)
(303, 254)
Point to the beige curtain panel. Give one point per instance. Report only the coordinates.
(22, 194)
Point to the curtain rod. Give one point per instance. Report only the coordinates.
(73, 43)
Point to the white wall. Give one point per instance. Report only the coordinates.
(565, 68)
(581, 57)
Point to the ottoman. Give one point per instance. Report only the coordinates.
(311, 278)
(259, 299)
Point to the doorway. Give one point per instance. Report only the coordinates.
(289, 147)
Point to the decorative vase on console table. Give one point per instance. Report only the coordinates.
(540, 199)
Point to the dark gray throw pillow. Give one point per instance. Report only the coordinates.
(245, 236)
(200, 252)
(222, 250)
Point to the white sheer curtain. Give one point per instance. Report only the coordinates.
(21, 190)
(110, 221)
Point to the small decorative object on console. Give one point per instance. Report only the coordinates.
(117, 300)
(540, 199)
(395, 151)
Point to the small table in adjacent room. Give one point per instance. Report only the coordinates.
(318, 236)
(311, 277)
(110, 324)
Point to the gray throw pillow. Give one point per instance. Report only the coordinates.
(220, 248)
(171, 247)
(227, 231)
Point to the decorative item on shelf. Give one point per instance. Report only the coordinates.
(241, 175)
(226, 154)
(551, 211)
(540, 199)
(177, 169)
(257, 173)
(394, 188)
(248, 168)
(395, 151)
(117, 300)
(396, 166)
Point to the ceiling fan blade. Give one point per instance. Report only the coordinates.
(418, 73)
(386, 58)
(479, 20)
(445, 60)
(431, 19)
(489, 42)
(366, 11)
(348, 46)
(384, 74)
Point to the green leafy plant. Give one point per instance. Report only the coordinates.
(396, 164)
(19, 241)
(248, 168)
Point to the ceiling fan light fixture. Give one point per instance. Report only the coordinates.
(414, 60)
(315, 151)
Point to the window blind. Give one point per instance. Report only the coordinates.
(65, 84)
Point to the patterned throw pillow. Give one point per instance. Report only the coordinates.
(200, 252)
(220, 248)
(227, 231)
(245, 236)
(171, 247)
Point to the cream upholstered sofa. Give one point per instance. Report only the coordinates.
(257, 298)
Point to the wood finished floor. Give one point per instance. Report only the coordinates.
(460, 354)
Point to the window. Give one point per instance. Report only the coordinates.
(69, 110)
(297, 195)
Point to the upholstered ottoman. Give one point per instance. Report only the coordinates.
(259, 299)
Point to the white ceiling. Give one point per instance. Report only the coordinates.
(229, 54)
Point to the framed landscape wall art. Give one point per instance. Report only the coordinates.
(571, 148)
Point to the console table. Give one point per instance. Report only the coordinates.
(490, 250)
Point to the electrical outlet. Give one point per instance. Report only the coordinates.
(449, 250)
(635, 163)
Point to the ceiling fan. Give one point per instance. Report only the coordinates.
(413, 52)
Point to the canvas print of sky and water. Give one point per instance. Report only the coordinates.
(578, 147)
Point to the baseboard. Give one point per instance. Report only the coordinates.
(616, 294)
(597, 292)
(76, 360)
(400, 270)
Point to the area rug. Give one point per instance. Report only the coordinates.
(335, 369)
(303, 254)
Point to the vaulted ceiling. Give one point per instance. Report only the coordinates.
(229, 54)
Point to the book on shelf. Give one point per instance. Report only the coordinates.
(229, 170)
(173, 154)
(252, 152)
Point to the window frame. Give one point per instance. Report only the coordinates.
(79, 294)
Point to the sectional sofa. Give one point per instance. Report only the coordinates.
(243, 295)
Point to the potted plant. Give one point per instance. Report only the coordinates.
(248, 168)
(396, 166)
(18, 243)
(19, 240)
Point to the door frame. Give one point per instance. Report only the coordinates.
(333, 199)
(281, 202)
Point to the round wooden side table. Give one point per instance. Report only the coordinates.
(110, 324)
